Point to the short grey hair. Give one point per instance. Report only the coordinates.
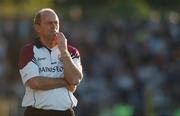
(37, 18)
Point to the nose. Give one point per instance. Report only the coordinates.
(54, 25)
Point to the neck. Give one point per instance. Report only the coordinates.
(48, 44)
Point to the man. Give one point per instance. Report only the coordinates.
(50, 69)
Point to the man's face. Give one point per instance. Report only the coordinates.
(49, 26)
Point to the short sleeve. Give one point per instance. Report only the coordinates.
(75, 55)
(28, 67)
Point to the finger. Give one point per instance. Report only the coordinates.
(62, 35)
(72, 88)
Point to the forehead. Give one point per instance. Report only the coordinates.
(49, 16)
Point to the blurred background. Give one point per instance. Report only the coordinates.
(130, 52)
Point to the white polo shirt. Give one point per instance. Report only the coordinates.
(37, 60)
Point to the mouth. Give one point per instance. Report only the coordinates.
(53, 31)
(53, 34)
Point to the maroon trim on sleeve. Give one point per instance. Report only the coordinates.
(74, 52)
(26, 55)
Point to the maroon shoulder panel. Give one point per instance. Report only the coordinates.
(26, 55)
(74, 52)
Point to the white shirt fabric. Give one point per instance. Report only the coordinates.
(37, 60)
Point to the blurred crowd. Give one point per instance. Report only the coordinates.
(131, 66)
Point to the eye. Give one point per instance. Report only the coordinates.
(48, 23)
(56, 23)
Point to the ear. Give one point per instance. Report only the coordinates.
(36, 27)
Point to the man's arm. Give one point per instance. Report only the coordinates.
(47, 83)
(72, 74)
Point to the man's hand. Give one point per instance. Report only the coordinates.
(72, 88)
(72, 73)
(61, 41)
